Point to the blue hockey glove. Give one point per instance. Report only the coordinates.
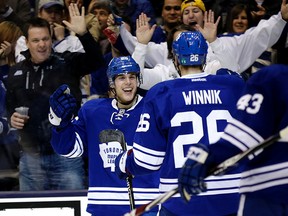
(120, 164)
(192, 174)
(62, 107)
(4, 128)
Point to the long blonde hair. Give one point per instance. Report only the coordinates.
(10, 32)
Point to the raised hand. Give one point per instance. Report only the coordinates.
(77, 21)
(259, 13)
(143, 30)
(5, 49)
(59, 31)
(209, 30)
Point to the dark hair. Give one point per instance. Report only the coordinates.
(36, 22)
(99, 5)
(182, 27)
(234, 12)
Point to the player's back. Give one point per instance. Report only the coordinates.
(192, 109)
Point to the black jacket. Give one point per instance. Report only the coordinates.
(31, 85)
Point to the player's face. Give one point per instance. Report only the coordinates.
(39, 43)
(240, 23)
(192, 14)
(125, 88)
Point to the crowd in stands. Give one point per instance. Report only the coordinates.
(47, 43)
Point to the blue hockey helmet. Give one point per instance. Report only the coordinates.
(191, 48)
(122, 65)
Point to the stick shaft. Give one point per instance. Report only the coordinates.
(220, 169)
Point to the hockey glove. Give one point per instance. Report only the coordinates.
(62, 107)
(192, 174)
(120, 164)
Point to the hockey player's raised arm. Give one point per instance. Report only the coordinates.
(62, 108)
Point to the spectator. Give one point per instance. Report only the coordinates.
(100, 11)
(132, 9)
(91, 21)
(68, 2)
(175, 115)
(171, 14)
(261, 112)
(171, 17)
(30, 83)
(239, 20)
(9, 150)
(9, 146)
(9, 34)
(63, 40)
(53, 12)
(235, 53)
(107, 195)
(17, 11)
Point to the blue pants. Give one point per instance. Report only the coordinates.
(50, 172)
(260, 207)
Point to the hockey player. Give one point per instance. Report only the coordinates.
(261, 112)
(107, 194)
(181, 112)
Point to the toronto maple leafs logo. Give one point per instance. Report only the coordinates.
(108, 152)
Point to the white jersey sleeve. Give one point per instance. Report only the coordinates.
(20, 46)
(234, 53)
(156, 53)
(152, 76)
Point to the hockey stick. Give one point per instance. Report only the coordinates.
(110, 135)
(219, 170)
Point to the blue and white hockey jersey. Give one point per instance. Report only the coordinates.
(107, 194)
(262, 111)
(176, 114)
